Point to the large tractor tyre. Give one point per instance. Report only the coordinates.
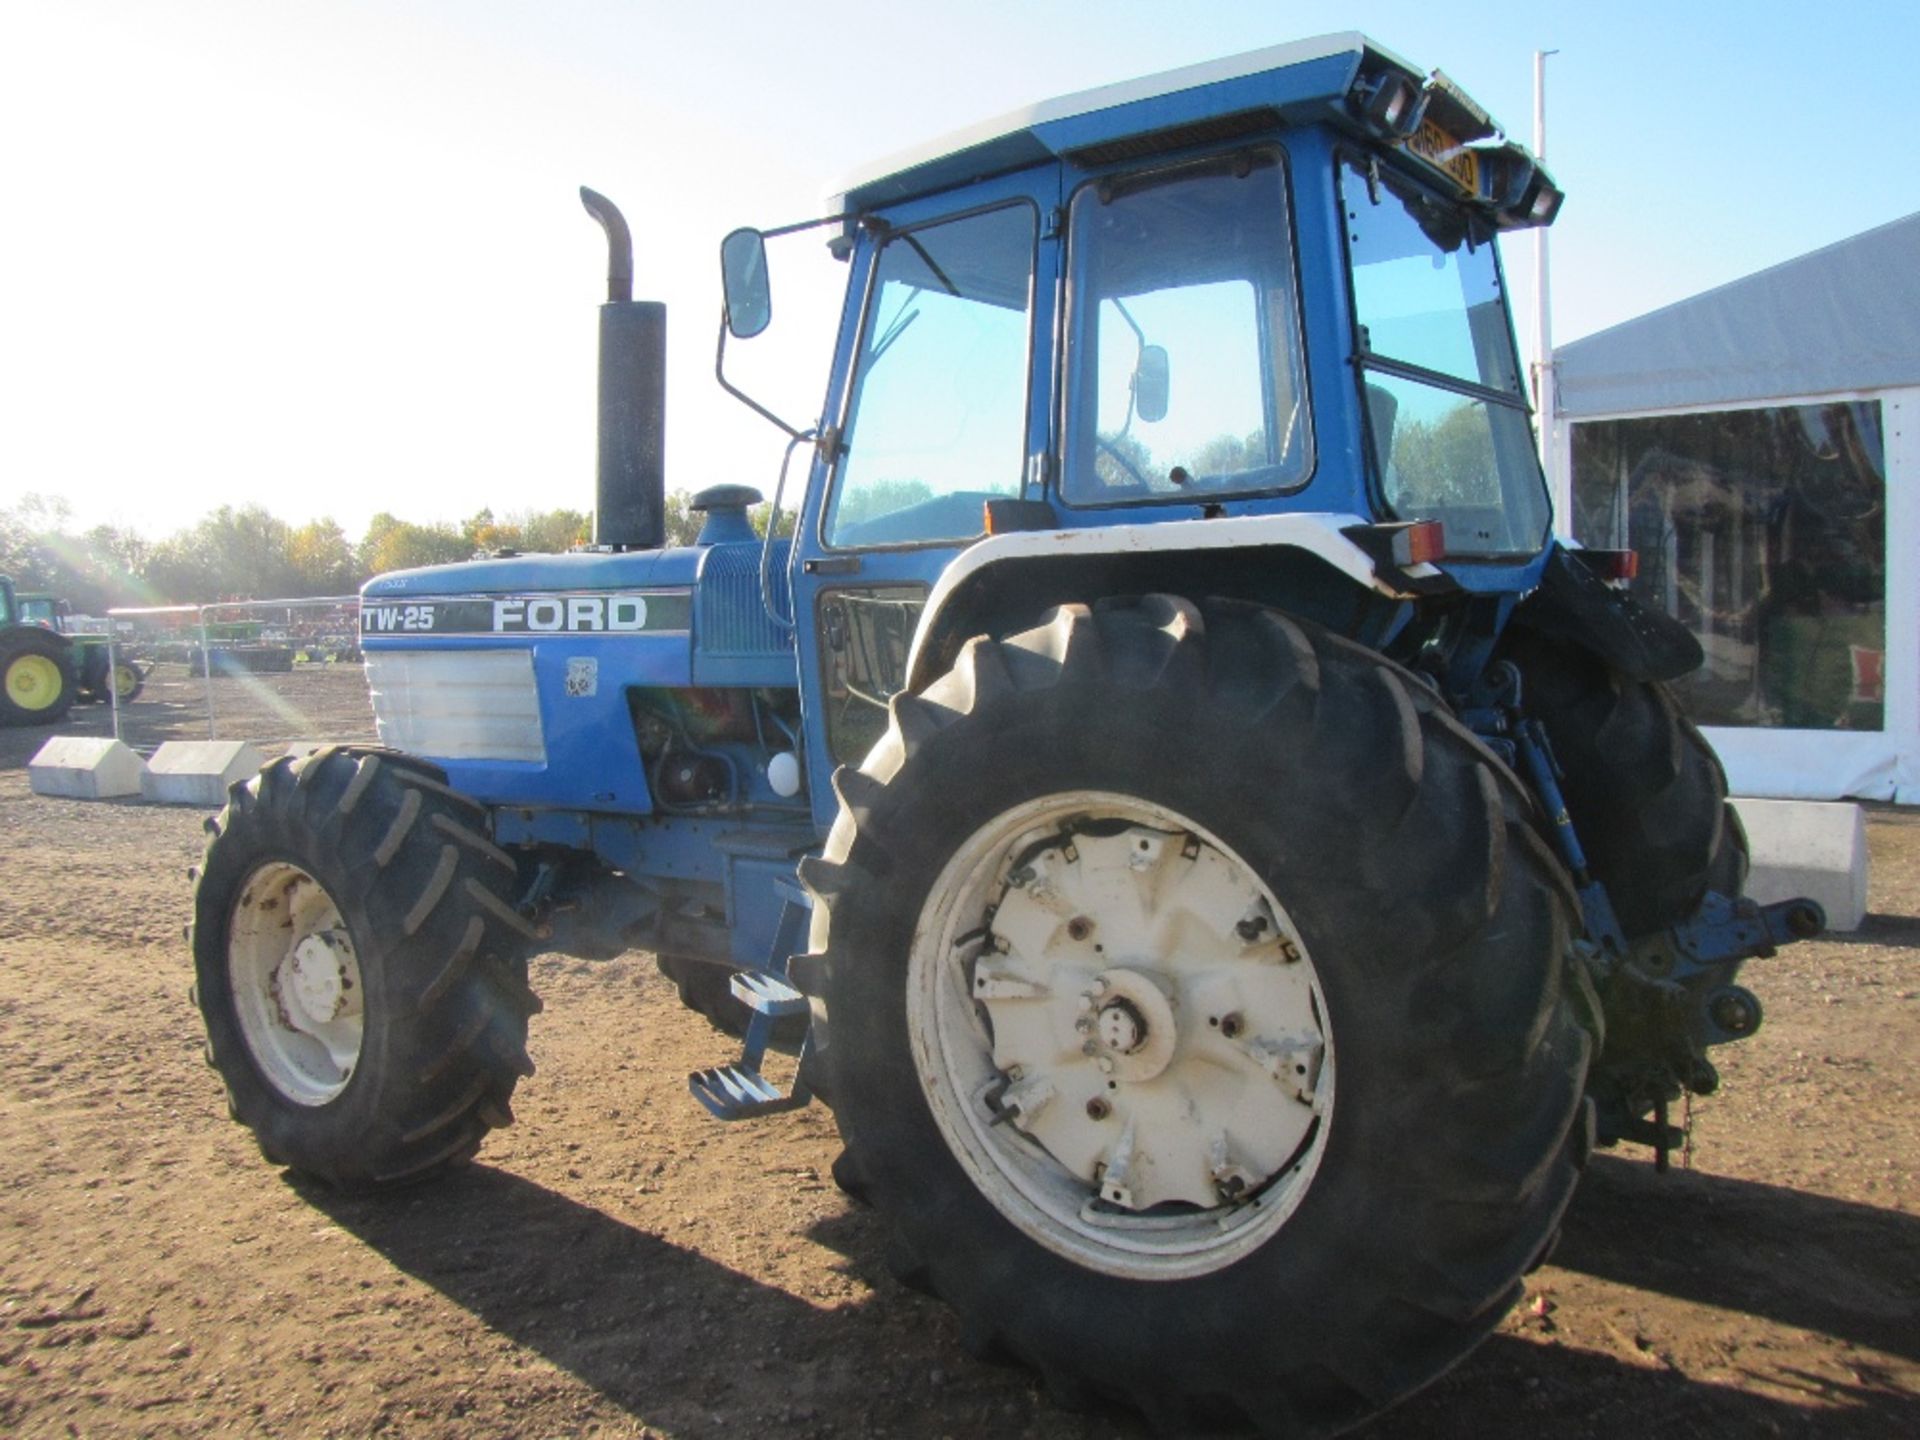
(360, 968)
(128, 678)
(1646, 794)
(36, 677)
(1198, 1010)
(128, 681)
(91, 663)
(1727, 872)
(706, 988)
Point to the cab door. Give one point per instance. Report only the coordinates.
(940, 402)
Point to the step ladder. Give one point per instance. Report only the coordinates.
(739, 1091)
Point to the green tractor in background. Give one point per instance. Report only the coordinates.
(45, 669)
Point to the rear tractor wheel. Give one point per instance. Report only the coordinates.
(1643, 788)
(1194, 1009)
(36, 679)
(360, 968)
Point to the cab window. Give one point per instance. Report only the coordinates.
(1446, 414)
(1185, 300)
(937, 424)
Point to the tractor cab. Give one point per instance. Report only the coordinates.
(1247, 318)
(44, 611)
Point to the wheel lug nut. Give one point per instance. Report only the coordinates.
(1098, 1109)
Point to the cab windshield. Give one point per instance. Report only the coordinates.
(1446, 411)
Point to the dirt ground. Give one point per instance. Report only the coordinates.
(618, 1264)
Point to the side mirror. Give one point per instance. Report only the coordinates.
(1150, 384)
(743, 280)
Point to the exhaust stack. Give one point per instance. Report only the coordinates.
(629, 510)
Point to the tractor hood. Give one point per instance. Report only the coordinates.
(712, 591)
(512, 673)
(580, 570)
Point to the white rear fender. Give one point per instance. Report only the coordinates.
(1320, 535)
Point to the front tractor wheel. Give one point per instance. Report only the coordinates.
(1194, 1004)
(360, 968)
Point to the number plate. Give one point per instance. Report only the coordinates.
(1443, 152)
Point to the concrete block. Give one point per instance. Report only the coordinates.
(1809, 847)
(85, 767)
(198, 772)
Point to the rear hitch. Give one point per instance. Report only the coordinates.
(1671, 997)
(1699, 959)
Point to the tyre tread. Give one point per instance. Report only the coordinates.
(433, 892)
(398, 830)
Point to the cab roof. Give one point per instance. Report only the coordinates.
(1303, 82)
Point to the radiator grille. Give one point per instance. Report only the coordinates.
(457, 704)
(728, 616)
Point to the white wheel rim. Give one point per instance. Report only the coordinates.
(296, 983)
(1121, 1035)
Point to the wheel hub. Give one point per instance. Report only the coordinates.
(313, 982)
(33, 682)
(1122, 1028)
(297, 991)
(1133, 1033)
(1129, 1029)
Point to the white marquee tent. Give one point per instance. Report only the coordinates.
(1759, 446)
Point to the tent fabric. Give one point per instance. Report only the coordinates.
(1842, 319)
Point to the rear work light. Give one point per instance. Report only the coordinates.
(1411, 547)
(1391, 105)
(1421, 543)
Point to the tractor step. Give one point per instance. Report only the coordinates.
(739, 1091)
(767, 994)
(734, 1092)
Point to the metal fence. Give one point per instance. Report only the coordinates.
(256, 665)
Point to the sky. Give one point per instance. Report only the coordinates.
(329, 257)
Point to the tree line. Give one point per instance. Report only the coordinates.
(248, 553)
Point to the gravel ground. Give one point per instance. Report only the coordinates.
(617, 1264)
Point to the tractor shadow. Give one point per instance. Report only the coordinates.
(1895, 932)
(1512, 1388)
(681, 1342)
(1801, 1260)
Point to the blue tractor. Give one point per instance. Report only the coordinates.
(1224, 864)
